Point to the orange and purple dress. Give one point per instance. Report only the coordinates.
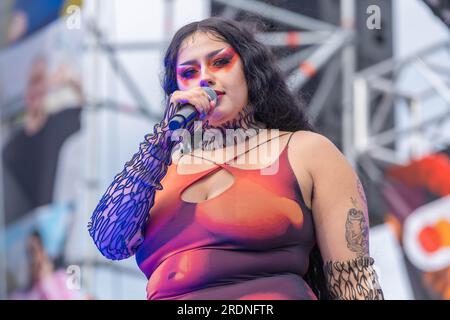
(250, 242)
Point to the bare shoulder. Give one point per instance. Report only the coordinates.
(315, 159)
(302, 149)
(314, 148)
(311, 141)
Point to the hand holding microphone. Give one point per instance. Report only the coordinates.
(194, 103)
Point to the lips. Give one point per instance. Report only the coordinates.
(219, 93)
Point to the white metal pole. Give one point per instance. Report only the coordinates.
(360, 115)
(3, 257)
(90, 171)
(169, 8)
(348, 13)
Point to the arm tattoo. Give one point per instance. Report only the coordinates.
(353, 280)
(357, 232)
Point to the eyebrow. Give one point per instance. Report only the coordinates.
(209, 56)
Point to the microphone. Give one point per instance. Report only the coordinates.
(188, 113)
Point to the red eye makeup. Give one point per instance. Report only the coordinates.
(187, 73)
(222, 59)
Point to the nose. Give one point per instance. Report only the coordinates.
(206, 79)
(206, 83)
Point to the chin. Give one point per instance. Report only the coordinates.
(222, 115)
(217, 118)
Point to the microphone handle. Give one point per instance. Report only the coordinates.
(184, 117)
(187, 112)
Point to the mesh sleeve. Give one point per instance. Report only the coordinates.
(353, 279)
(118, 222)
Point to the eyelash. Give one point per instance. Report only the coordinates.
(221, 62)
(217, 63)
(188, 73)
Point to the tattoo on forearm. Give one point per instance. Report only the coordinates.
(354, 279)
(357, 232)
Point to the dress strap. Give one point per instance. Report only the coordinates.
(256, 147)
(287, 144)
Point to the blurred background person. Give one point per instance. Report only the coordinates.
(47, 281)
(30, 157)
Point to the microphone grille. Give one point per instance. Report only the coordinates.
(211, 94)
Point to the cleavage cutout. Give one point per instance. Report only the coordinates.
(218, 180)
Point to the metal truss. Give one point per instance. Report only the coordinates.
(377, 90)
(441, 8)
(318, 44)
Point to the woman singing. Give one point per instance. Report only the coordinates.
(274, 212)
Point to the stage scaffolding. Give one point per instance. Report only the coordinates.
(97, 44)
(376, 90)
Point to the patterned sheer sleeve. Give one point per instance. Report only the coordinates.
(118, 221)
(353, 280)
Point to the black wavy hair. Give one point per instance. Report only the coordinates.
(274, 104)
(268, 93)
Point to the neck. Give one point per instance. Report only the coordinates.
(233, 132)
